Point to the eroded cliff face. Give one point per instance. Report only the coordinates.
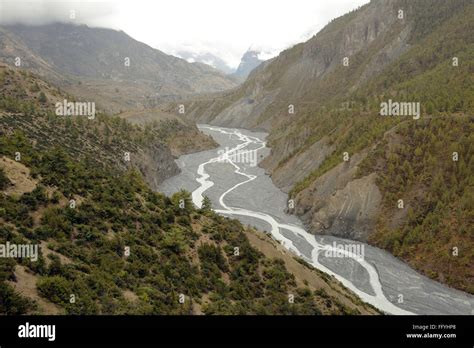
(285, 174)
(156, 164)
(340, 204)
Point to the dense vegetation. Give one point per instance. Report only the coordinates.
(173, 248)
(429, 166)
(4, 181)
(111, 245)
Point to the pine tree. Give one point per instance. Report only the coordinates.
(42, 98)
(4, 181)
(206, 204)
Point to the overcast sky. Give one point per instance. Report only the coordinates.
(226, 28)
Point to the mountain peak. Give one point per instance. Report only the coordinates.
(250, 60)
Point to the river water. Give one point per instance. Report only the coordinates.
(240, 189)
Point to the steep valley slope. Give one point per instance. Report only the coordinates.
(403, 183)
(28, 105)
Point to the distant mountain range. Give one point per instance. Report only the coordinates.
(206, 58)
(248, 63)
(250, 60)
(106, 65)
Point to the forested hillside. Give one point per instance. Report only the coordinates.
(28, 104)
(429, 166)
(108, 243)
(126, 249)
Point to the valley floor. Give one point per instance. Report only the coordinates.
(239, 189)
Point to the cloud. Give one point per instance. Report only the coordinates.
(39, 12)
(222, 28)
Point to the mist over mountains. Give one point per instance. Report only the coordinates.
(106, 65)
(206, 58)
(249, 62)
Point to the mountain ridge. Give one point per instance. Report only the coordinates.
(106, 65)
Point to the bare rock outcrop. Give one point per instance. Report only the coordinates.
(297, 167)
(340, 204)
(156, 164)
